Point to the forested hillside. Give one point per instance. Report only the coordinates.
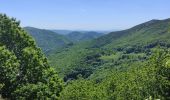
(128, 64)
(136, 41)
(48, 40)
(143, 34)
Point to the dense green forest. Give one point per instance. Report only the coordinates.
(132, 64)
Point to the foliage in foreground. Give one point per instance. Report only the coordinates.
(25, 72)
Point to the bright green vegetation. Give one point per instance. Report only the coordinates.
(24, 71)
(123, 65)
(132, 64)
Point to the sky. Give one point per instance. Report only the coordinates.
(85, 14)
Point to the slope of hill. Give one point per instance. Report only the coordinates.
(136, 42)
(141, 34)
(47, 40)
(128, 64)
(77, 36)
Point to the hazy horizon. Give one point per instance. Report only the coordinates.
(102, 15)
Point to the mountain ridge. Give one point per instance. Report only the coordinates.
(147, 27)
(77, 36)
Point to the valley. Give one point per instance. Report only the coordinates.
(121, 59)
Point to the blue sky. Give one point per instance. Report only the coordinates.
(85, 14)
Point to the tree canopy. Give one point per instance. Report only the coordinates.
(25, 72)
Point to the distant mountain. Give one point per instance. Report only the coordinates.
(77, 36)
(62, 32)
(47, 40)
